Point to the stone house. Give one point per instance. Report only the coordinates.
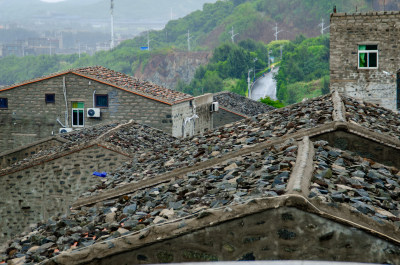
(89, 96)
(318, 179)
(364, 60)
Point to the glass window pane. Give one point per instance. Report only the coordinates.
(362, 47)
(363, 60)
(373, 60)
(3, 103)
(81, 105)
(101, 101)
(371, 47)
(74, 117)
(81, 117)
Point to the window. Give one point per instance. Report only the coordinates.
(78, 111)
(3, 103)
(367, 56)
(101, 101)
(50, 98)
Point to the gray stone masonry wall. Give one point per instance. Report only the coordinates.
(201, 107)
(48, 189)
(9, 158)
(28, 118)
(222, 117)
(347, 31)
(277, 234)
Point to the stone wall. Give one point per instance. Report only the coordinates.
(42, 191)
(347, 31)
(11, 157)
(277, 234)
(363, 147)
(29, 118)
(223, 116)
(199, 106)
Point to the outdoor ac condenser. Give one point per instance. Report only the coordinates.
(93, 112)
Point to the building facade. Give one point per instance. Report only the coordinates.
(84, 97)
(364, 60)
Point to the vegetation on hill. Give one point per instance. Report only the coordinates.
(303, 72)
(304, 60)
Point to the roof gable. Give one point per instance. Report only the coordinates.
(121, 81)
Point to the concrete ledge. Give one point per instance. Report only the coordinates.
(299, 181)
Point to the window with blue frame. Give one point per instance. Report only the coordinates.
(3, 103)
(101, 101)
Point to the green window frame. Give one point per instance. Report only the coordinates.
(368, 56)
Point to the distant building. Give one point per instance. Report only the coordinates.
(364, 60)
(83, 97)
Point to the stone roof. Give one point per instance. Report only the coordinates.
(270, 160)
(133, 84)
(239, 104)
(122, 81)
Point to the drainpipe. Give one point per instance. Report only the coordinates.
(66, 102)
(94, 93)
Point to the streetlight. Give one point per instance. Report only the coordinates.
(248, 83)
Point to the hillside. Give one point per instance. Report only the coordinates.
(25, 10)
(209, 28)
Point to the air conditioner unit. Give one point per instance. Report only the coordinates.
(93, 113)
(65, 130)
(214, 106)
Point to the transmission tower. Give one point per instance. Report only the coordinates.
(112, 24)
(276, 31)
(233, 35)
(322, 27)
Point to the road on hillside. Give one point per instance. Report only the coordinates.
(265, 86)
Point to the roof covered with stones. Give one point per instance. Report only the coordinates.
(268, 157)
(237, 103)
(122, 81)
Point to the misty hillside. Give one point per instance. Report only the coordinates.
(25, 10)
(254, 19)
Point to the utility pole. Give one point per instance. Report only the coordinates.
(171, 14)
(148, 40)
(276, 31)
(269, 58)
(112, 45)
(233, 35)
(188, 40)
(248, 84)
(322, 27)
(254, 76)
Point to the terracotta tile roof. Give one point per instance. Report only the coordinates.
(133, 84)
